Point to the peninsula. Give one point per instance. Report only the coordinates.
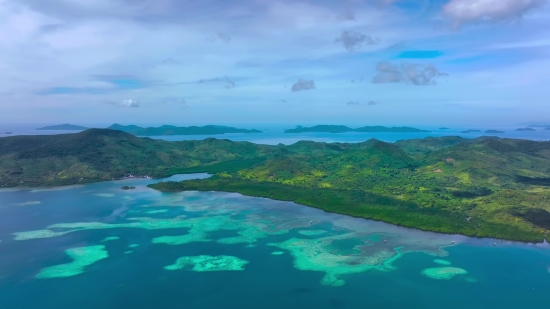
(344, 129)
(66, 127)
(173, 130)
(485, 187)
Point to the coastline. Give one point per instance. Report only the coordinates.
(441, 223)
(266, 195)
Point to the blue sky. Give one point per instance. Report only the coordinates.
(184, 62)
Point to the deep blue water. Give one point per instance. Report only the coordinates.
(508, 275)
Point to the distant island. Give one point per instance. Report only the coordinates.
(345, 129)
(66, 126)
(433, 184)
(547, 129)
(8, 133)
(442, 129)
(127, 188)
(525, 129)
(494, 132)
(173, 130)
(471, 131)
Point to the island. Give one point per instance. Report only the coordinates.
(483, 187)
(525, 129)
(494, 132)
(547, 128)
(471, 131)
(173, 130)
(127, 188)
(443, 129)
(66, 127)
(8, 132)
(345, 129)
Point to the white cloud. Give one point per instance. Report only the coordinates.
(346, 15)
(413, 73)
(125, 103)
(303, 84)
(353, 40)
(463, 11)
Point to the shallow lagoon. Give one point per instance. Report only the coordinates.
(97, 246)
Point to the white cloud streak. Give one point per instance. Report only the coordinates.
(464, 11)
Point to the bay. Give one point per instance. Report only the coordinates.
(147, 249)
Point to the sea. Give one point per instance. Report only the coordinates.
(99, 246)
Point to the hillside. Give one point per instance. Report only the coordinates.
(173, 130)
(501, 185)
(344, 129)
(103, 154)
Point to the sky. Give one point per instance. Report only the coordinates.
(379, 62)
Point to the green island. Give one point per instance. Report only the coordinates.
(345, 129)
(484, 187)
(173, 130)
(66, 127)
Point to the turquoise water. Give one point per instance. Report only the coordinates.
(126, 246)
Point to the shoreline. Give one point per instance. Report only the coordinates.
(523, 240)
(150, 186)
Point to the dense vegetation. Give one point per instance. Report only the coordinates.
(102, 154)
(173, 130)
(344, 129)
(481, 187)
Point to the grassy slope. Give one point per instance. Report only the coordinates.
(431, 184)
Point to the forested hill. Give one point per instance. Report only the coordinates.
(345, 129)
(103, 154)
(173, 130)
(501, 185)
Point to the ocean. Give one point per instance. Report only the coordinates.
(98, 246)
